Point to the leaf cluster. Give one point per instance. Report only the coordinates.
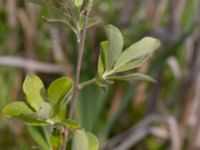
(114, 63)
(42, 107)
(49, 107)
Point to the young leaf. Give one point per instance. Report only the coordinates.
(61, 23)
(84, 141)
(16, 109)
(59, 90)
(80, 140)
(59, 113)
(58, 94)
(32, 120)
(35, 92)
(131, 77)
(102, 57)
(140, 49)
(93, 141)
(44, 111)
(21, 111)
(132, 65)
(56, 138)
(116, 43)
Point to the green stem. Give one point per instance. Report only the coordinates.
(86, 83)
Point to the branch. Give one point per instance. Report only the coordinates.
(78, 68)
(86, 83)
(26, 64)
(132, 136)
(75, 93)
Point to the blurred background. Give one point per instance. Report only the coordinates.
(129, 116)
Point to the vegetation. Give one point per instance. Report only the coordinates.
(87, 104)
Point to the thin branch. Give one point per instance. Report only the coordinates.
(132, 136)
(79, 62)
(86, 83)
(26, 64)
(133, 132)
(76, 89)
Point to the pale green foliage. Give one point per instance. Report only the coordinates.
(131, 77)
(23, 112)
(115, 45)
(102, 62)
(34, 90)
(58, 94)
(132, 64)
(92, 141)
(44, 110)
(84, 141)
(138, 50)
(80, 140)
(115, 64)
(50, 107)
(16, 109)
(59, 90)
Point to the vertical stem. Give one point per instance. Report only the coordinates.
(78, 68)
(75, 93)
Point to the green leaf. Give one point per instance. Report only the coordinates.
(21, 111)
(44, 111)
(59, 90)
(15, 109)
(132, 65)
(140, 49)
(80, 140)
(93, 141)
(116, 43)
(131, 77)
(58, 94)
(56, 138)
(37, 134)
(71, 124)
(84, 141)
(32, 120)
(35, 92)
(102, 57)
(61, 23)
(60, 113)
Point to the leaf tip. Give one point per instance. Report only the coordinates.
(153, 40)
